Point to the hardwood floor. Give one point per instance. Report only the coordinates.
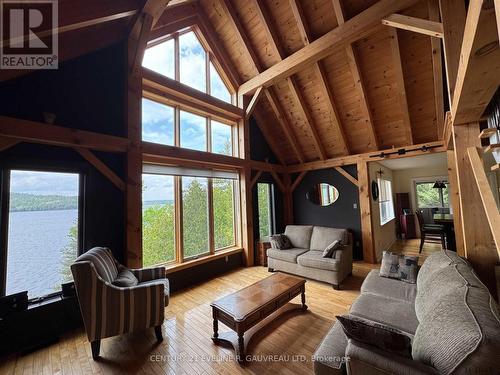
(187, 347)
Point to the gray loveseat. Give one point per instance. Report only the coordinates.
(305, 258)
(453, 319)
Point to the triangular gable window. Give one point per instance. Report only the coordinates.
(194, 65)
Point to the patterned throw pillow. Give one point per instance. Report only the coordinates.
(387, 338)
(408, 268)
(280, 242)
(125, 278)
(329, 251)
(390, 265)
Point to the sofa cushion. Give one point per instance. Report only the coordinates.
(314, 259)
(390, 265)
(434, 263)
(280, 242)
(321, 237)
(300, 236)
(330, 354)
(389, 311)
(382, 336)
(288, 255)
(389, 288)
(408, 268)
(459, 328)
(125, 278)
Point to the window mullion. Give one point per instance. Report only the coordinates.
(179, 230)
(177, 58)
(211, 223)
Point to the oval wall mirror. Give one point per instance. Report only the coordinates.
(323, 194)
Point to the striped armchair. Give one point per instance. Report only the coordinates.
(109, 310)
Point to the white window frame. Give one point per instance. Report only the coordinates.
(389, 203)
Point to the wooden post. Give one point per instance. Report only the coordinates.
(364, 206)
(477, 237)
(247, 240)
(455, 202)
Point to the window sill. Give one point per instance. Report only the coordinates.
(387, 222)
(171, 268)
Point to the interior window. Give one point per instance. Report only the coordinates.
(221, 138)
(161, 58)
(192, 62)
(265, 207)
(217, 86)
(158, 219)
(195, 216)
(386, 203)
(193, 131)
(224, 224)
(432, 195)
(157, 122)
(43, 230)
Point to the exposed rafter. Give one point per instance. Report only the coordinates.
(477, 77)
(403, 102)
(273, 37)
(355, 28)
(253, 102)
(418, 25)
(321, 76)
(358, 78)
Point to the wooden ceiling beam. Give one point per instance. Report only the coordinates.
(297, 180)
(403, 102)
(358, 79)
(322, 78)
(453, 18)
(6, 143)
(38, 132)
(255, 178)
(101, 167)
(280, 115)
(370, 156)
(347, 175)
(273, 37)
(253, 102)
(155, 9)
(437, 71)
(418, 25)
(478, 75)
(357, 27)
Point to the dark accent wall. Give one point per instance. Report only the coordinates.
(341, 214)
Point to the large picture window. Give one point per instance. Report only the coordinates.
(199, 206)
(182, 56)
(43, 230)
(265, 207)
(430, 194)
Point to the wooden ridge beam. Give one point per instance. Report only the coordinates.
(101, 167)
(6, 143)
(354, 29)
(253, 102)
(403, 102)
(158, 84)
(437, 146)
(38, 132)
(437, 71)
(358, 79)
(477, 76)
(281, 117)
(347, 175)
(418, 25)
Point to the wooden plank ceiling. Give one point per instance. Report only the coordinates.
(374, 94)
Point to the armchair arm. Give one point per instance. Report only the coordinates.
(148, 274)
(108, 310)
(367, 359)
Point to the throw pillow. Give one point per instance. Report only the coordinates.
(330, 249)
(280, 242)
(408, 268)
(387, 338)
(390, 265)
(125, 278)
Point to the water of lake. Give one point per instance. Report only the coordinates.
(35, 251)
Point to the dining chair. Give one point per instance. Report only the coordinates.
(430, 232)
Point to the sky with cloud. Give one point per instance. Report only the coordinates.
(44, 183)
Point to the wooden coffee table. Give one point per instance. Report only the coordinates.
(249, 309)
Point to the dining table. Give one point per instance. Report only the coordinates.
(446, 220)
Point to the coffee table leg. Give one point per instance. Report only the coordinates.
(216, 327)
(241, 348)
(303, 298)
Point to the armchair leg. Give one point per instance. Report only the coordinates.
(336, 286)
(269, 269)
(422, 240)
(96, 348)
(158, 333)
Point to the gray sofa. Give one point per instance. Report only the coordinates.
(450, 314)
(305, 257)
